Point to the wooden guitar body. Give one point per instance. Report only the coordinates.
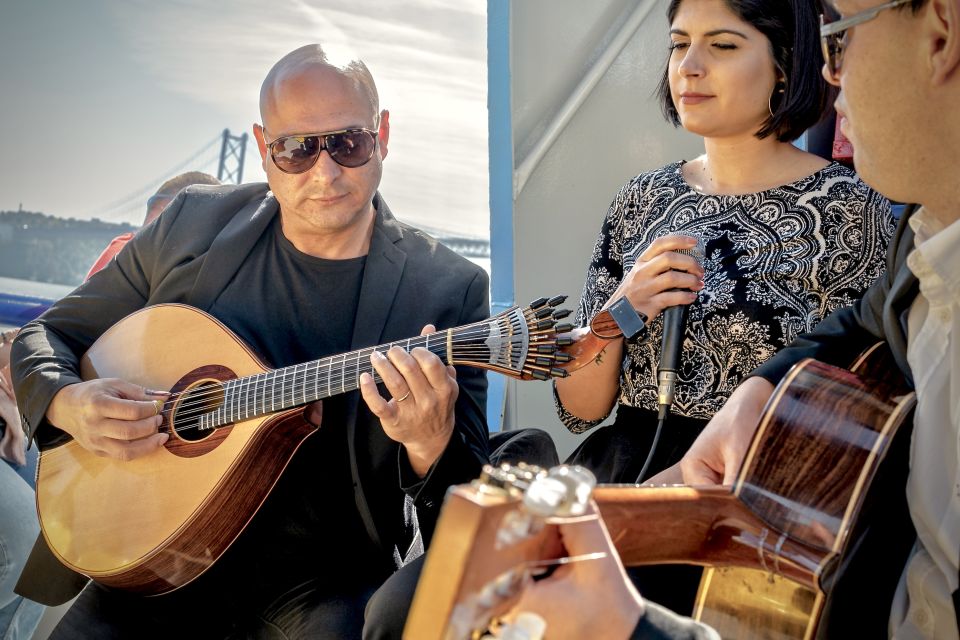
(153, 524)
(787, 545)
(160, 521)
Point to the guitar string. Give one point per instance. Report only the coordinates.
(463, 336)
(466, 335)
(360, 360)
(249, 405)
(347, 375)
(245, 408)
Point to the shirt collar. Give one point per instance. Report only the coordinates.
(936, 257)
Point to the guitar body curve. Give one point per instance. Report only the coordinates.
(153, 524)
(826, 469)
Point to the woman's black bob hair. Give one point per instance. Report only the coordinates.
(793, 29)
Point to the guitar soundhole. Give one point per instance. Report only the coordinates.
(198, 399)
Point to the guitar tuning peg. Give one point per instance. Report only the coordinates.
(563, 327)
(559, 373)
(546, 348)
(557, 300)
(543, 312)
(562, 358)
(560, 314)
(539, 302)
(544, 324)
(564, 341)
(537, 374)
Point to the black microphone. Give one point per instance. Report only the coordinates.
(671, 348)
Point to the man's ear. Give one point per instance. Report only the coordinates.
(261, 144)
(384, 132)
(942, 31)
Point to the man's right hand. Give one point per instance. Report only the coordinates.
(717, 453)
(109, 417)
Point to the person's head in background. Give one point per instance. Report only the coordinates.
(898, 70)
(169, 189)
(742, 68)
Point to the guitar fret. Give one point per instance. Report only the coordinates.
(246, 399)
(263, 394)
(329, 376)
(343, 373)
(303, 386)
(357, 375)
(235, 404)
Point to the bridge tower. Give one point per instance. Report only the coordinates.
(232, 152)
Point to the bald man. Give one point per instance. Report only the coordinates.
(311, 264)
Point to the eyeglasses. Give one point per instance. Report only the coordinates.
(833, 35)
(350, 148)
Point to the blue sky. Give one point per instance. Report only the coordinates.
(102, 98)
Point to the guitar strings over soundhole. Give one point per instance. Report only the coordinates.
(201, 397)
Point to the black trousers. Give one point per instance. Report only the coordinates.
(305, 611)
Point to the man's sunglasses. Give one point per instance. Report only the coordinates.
(298, 153)
(833, 35)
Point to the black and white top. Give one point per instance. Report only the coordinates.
(777, 262)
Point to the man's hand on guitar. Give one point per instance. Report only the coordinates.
(588, 598)
(716, 454)
(419, 414)
(110, 417)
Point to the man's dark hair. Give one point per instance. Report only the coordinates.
(793, 29)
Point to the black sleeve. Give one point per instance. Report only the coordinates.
(468, 449)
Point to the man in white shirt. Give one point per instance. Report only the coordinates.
(898, 68)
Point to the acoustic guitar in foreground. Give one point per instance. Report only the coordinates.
(808, 542)
(153, 524)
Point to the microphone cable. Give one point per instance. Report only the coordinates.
(664, 410)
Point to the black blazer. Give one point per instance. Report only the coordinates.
(188, 255)
(881, 314)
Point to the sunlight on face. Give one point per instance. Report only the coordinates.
(721, 71)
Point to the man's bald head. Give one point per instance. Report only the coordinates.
(310, 58)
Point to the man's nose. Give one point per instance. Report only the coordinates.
(325, 170)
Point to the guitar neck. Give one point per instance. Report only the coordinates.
(708, 526)
(522, 343)
(300, 384)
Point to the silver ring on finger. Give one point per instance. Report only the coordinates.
(403, 397)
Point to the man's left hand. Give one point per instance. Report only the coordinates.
(419, 414)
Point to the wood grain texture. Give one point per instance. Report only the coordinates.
(779, 544)
(153, 524)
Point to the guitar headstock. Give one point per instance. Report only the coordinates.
(493, 537)
(530, 343)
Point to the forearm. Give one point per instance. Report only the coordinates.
(590, 392)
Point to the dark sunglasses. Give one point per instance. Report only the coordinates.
(833, 35)
(298, 153)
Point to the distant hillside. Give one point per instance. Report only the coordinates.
(35, 246)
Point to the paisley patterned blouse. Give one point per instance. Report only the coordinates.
(777, 262)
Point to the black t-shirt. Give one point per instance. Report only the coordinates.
(291, 308)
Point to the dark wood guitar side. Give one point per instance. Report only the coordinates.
(794, 518)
